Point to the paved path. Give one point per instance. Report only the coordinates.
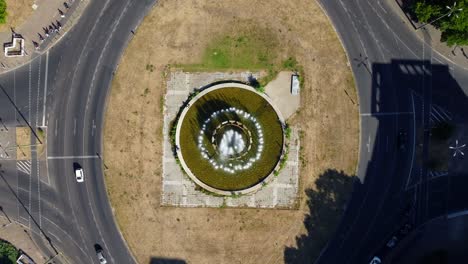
(46, 15)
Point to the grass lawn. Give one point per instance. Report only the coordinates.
(244, 100)
(252, 49)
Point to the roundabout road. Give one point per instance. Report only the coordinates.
(75, 75)
(382, 48)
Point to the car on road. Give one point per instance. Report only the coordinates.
(401, 139)
(375, 260)
(392, 242)
(101, 258)
(405, 229)
(79, 174)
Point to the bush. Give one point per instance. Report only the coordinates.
(8, 253)
(3, 12)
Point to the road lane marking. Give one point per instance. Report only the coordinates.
(380, 5)
(38, 89)
(45, 88)
(93, 128)
(386, 113)
(73, 157)
(74, 126)
(368, 144)
(56, 125)
(39, 192)
(414, 142)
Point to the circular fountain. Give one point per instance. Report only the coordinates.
(229, 139)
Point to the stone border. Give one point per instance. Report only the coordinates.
(257, 186)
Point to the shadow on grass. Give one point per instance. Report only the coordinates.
(157, 260)
(326, 206)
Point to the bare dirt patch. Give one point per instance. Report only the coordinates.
(18, 11)
(180, 32)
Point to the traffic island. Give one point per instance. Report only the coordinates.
(229, 147)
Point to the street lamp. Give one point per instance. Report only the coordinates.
(449, 13)
(457, 149)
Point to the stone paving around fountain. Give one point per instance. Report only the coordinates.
(179, 190)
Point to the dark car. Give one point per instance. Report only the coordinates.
(402, 139)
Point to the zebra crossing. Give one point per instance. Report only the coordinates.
(439, 115)
(436, 174)
(24, 166)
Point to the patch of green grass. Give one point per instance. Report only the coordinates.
(287, 131)
(250, 49)
(8, 253)
(221, 99)
(3, 12)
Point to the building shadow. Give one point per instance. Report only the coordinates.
(159, 260)
(326, 205)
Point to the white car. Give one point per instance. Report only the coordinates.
(79, 174)
(375, 260)
(102, 259)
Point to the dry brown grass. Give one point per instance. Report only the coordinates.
(178, 32)
(18, 11)
(23, 143)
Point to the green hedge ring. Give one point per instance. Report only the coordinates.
(229, 139)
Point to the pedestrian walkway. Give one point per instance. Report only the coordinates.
(48, 23)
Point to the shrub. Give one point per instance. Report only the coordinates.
(8, 253)
(3, 12)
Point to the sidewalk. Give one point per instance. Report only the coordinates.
(457, 55)
(47, 15)
(18, 236)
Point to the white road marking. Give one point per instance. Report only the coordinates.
(38, 89)
(387, 113)
(45, 88)
(74, 126)
(92, 129)
(368, 144)
(39, 192)
(380, 5)
(24, 166)
(414, 143)
(56, 126)
(73, 157)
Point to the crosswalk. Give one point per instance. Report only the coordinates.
(24, 166)
(439, 115)
(436, 174)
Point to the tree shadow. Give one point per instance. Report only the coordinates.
(158, 260)
(326, 203)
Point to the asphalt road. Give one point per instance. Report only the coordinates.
(75, 76)
(396, 74)
(65, 90)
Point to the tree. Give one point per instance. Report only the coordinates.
(454, 28)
